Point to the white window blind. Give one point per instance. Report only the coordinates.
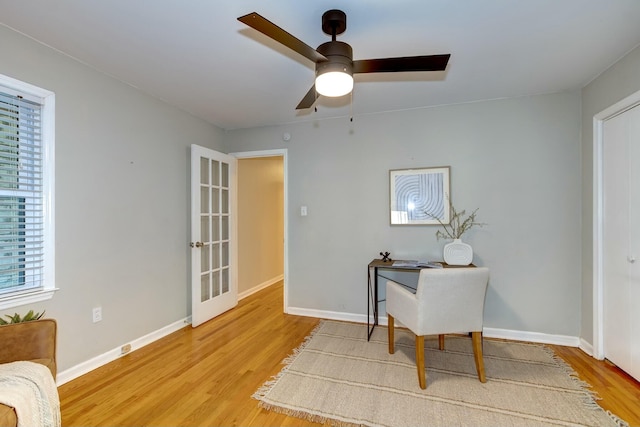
(21, 222)
(26, 193)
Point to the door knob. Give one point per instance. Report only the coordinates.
(631, 259)
(196, 244)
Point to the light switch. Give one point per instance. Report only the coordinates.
(303, 211)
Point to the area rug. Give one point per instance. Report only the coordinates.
(338, 377)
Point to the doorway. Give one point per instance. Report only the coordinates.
(617, 234)
(262, 221)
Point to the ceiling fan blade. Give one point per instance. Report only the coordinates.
(271, 30)
(407, 63)
(309, 99)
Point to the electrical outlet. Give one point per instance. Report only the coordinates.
(125, 349)
(97, 314)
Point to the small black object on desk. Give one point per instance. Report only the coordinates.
(385, 257)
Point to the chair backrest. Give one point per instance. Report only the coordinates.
(451, 300)
(32, 341)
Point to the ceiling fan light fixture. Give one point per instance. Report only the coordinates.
(334, 83)
(334, 59)
(334, 77)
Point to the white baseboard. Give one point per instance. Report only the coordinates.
(331, 315)
(508, 334)
(111, 355)
(487, 332)
(586, 347)
(260, 287)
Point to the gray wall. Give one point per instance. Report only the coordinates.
(122, 199)
(517, 160)
(615, 84)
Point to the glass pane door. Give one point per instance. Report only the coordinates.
(214, 230)
(213, 269)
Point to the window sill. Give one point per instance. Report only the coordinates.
(11, 301)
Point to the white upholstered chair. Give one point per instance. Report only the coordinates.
(447, 300)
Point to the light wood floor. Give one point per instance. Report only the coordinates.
(206, 376)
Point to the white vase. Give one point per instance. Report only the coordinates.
(458, 253)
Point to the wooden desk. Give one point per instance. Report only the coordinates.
(372, 297)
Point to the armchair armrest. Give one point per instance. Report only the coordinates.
(402, 304)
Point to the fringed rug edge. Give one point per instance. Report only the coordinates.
(261, 393)
(308, 416)
(590, 397)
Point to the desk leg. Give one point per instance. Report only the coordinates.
(375, 298)
(369, 329)
(372, 301)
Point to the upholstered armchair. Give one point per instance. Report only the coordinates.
(33, 341)
(447, 300)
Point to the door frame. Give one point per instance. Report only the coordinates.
(598, 216)
(277, 153)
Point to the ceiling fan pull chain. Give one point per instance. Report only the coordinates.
(351, 106)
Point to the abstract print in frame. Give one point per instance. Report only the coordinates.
(419, 196)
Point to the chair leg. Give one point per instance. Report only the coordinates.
(390, 332)
(476, 338)
(441, 341)
(422, 380)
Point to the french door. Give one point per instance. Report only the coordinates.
(214, 287)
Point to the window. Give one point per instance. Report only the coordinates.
(26, 193)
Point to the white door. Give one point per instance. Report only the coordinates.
(621, 244)
(214, 287)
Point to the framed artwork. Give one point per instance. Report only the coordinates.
(419, 196)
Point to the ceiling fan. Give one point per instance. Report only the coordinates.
(334, 60)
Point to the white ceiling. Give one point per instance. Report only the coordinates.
(194, 54)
